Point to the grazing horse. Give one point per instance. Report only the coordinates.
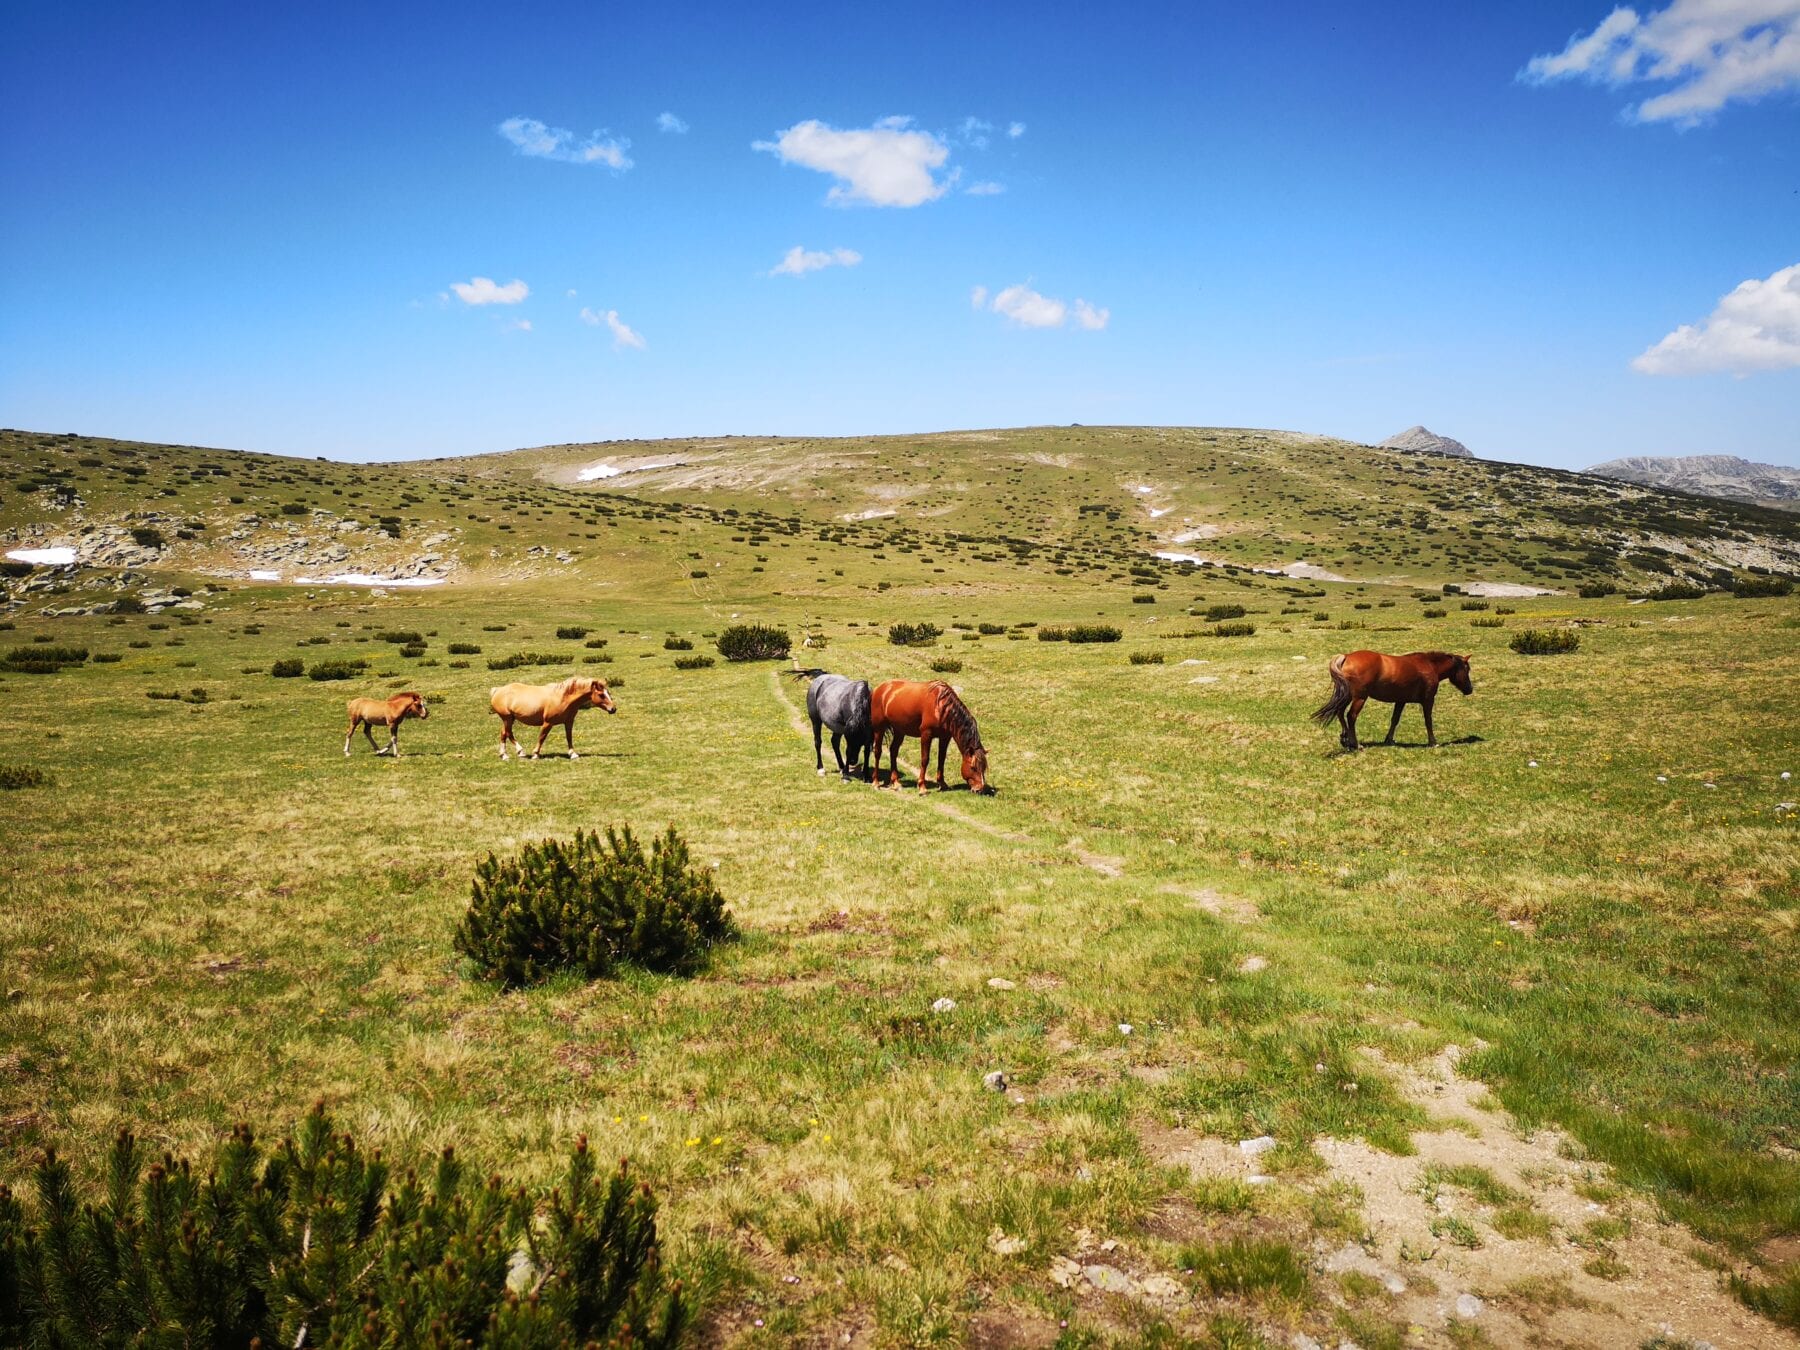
(1399, 680)
(902, 708)
(545, 706)
(383, 712)
(843, 705)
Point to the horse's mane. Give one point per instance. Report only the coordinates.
(955, 715)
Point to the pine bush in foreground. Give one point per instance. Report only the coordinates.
(314, 1244)
(590, 904)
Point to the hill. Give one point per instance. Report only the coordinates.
(1421, 441)
(1725, 476)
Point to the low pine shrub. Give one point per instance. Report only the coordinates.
(1469, 605)
(914, 634)
(690, 662)
(107, 658)
(1052, 634)
(145, 536)
(1433, 613)
(337, 670)
(946, 665)
(1677, 590)
(463, 649)
(413, 650)
(753, 642)
(589, 905)
(1597, 590)
(1545, 641)
(572, 633)
(1146, 658)
(677, 644)
(1141, 599)
(317, 1243)
(519, 659)
(594, 644)
(1217, 613)
(1488, 621)
(1761, 588)
(21, 776)
(990, 629)
(1091, 632)
(401, 638)
(287, 670)
(1234, 630)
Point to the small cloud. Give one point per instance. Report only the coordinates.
(1028, 309)
(623, 334)
(985, 189)
(519, 326)
(669, 122)
(484, 291)
(1755, 327)
(977, 297)
(1710, 53)
(800, 261)
(888, 164)
(1016, 130)
(1090, 318)
(974, 132)
(531, 137)
(571, 292)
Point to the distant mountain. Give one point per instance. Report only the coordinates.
(1419, 439)
(1724, 476)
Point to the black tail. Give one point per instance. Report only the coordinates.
(1339, 701)
(805, 674)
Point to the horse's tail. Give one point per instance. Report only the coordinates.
(1340, 699)
(807, 672)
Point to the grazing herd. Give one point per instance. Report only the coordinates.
(862, 720)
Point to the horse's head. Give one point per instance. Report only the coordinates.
(974, 770)
(597, 697)
(415, 706)
(1459, 674)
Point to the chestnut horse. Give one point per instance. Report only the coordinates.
(1399, 680)
(383, 712)
(546, 706)
(902, 708)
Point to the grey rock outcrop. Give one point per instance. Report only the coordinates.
(1419, 440)
(1724, 476)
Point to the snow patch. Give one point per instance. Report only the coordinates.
(365, 579)
(595, 471)
(257, 574)
(44, 557)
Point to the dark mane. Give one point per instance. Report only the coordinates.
(955, 716)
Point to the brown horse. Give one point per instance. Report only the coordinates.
(546, 706)
(902, 708)
(1399, 680)
(383, 712)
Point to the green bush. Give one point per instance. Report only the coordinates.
(1488, 621)
(145, 536)
(589, 905)
(463, 649)
(316, 1243)
(294, 508)
(677, 644)
(1142, 599)
(287, 670)
(1469, 605)
(1597, 590)
(595, 644)
(1217, 613)
(1545, 641)
(1761, 588)
(413, 651)
(519, 659)
(991, 629)
(336, 670)
(42, 659)
(401, 638)
(753, 642)
(1677, 590)
(570, 633)
(1080, 632)
(946, 665)
(689, 662)
(914, 634)
(1234, 630)
(1146, 658)
(20, 776)
(1433, 613)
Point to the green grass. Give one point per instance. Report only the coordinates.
(210, 914)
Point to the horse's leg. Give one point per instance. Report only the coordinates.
(505, 735)
(1394, 725)
(1425, 707)
(393, 745)
(1356, 707)
(569, 732)
(369, 733)
(925, 760)
(837, 738)
(543, 735)
(943, 745)
(894, 758)
(347, 735)
(818, 752)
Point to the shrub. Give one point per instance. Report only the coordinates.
(990, 629)
(1053, 634)
(1545, 641)
(413, 651)
(128, 604)
(336, 670)
(1760, 588)
(40, 659)
(1469, 605)
(1597, 590)
(1493, 621)
(589, 905)
(571, 633)
(13, 776)
(463, 649)
(519, 659)
(1234, 630)
(1677, 590)
(914, 634)
(1146, 658)
(753, 642)
(316, 1243)
(12, 568)
(689, 662)
(595, 644)
(401, 638)
(287, 670)
(1141, 599)
(1433, 613)
(107, 658)
(1081, 632)
(145, 536)
(1216, 613)
(294, 508)
(677, 644)
(946, 665)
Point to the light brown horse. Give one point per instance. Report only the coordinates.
(546, 706)
(1400, 680)
(902, 708)
(383, 712)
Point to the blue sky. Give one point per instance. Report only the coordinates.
(247, 226)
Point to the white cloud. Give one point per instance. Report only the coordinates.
(519, 326)
(1712, 52)
(1090, 318)
(985, 189)
(533, 138)
(624, 335)
(670, 122)
(975, 132)
(1755, 327)
(1028, 309)
(888, 164)
(977, 297)
(799, 261)
(571, 292)
(484, 291)
(1016, 130)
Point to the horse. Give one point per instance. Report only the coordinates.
(843, 705)
(383, 712)
(1399, 680)
(903, 708)
(546, 706)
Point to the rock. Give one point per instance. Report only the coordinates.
(995, 1081)
(1251, 964)
(1109, 1279)
(998, 983)
(1162, 1287)
(1252, 1148)
(1002, 1244)
(1420, 441)
(1064, 1272)
(944, 1005)
(1467, 1305)
(1125, 1028)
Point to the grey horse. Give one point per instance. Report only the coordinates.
(843, 705)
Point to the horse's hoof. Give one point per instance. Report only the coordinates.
(573, 755)
(821, 773)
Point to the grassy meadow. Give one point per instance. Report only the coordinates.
(1205, 920)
